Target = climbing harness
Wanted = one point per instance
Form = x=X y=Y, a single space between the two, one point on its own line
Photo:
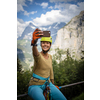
x=45 y=86
x=47 y=93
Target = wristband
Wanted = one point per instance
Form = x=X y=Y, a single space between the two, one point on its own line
x=33 y=44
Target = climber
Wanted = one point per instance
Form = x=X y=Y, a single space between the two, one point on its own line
x=42 y=71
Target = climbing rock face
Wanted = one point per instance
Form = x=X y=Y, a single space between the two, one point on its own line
x=71 y=36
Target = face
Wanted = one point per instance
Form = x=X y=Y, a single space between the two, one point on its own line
x=45 y=45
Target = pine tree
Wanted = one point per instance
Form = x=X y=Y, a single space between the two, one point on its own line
x=19 y=66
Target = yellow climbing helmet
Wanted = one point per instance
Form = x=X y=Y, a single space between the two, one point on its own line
x=49 y=39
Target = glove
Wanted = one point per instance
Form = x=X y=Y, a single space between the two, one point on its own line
x=35 y=37
x=56 y=86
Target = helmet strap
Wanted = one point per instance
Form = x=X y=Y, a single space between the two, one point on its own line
x=45 y=51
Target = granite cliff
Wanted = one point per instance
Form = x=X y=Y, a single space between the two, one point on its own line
x=71 y=37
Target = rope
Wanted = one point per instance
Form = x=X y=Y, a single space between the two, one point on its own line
x=22 y=95
x=59 y=88
x=70 y=84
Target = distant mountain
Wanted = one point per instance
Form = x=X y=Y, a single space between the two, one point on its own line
x=27 y=33
x=20 y=54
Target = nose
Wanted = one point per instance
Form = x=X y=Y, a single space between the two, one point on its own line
x=45 y=43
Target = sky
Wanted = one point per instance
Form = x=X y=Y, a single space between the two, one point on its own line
x=46 y=12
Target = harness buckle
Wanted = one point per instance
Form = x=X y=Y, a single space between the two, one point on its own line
x=35 y=78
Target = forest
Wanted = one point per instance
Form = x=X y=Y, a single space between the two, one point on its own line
x=66 y=71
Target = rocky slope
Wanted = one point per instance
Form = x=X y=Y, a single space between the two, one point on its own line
x=71 y=36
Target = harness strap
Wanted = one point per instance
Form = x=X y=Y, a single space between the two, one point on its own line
x=46 y=83
x=39 y=77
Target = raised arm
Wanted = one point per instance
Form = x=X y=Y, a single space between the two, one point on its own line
x=35 y=51
x=36 y=35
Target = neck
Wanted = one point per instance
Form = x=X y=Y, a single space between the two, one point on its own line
x=45 y=54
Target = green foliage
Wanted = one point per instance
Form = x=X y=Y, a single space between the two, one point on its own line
x=68 y=71
x=58 y=55
x=80 y=97
x=22 y=82
x=19 y=66
x=23 y=78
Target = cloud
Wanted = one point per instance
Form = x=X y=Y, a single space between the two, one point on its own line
x=43 y=4
x=27 y=14
x=50 y=7
x=30 y=1
x=81 y=5
x=73 y=8
x=70 y=9
x=49 y=18
x=56 y=1
x=20 y=4
x=65 y=13
x=59 y=1
x=21 y=26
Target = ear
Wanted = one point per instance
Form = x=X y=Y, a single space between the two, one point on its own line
x=50 y=43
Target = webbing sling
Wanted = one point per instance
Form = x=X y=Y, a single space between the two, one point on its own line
x=45 y=84
x=39 y=77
